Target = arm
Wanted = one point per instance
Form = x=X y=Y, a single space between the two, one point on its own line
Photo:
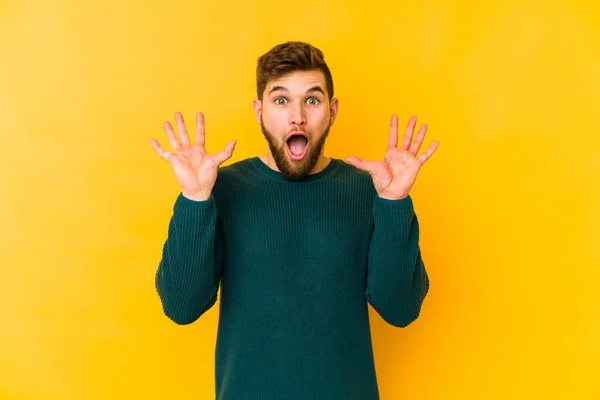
x=397 y=282
x=188 y=275
x=187 y=279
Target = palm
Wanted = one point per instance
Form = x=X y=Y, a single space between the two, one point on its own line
x=394 y=176
x=195 y=170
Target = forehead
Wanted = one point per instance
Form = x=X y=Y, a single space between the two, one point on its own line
x=298 y=81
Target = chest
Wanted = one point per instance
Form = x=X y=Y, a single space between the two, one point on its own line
x=298 y=233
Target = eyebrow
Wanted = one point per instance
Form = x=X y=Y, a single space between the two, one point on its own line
x=311 y=90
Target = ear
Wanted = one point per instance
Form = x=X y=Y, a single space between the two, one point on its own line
x=257 y=109
x=333 y=109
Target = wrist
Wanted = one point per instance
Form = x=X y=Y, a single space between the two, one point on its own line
x=392 y=197
x=201 y=196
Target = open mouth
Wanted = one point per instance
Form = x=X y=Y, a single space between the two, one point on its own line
x=297 y=146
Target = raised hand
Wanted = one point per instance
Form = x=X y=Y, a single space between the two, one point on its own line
x=195 y=170
x=395 y=175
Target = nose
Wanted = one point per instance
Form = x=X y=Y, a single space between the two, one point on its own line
x=297 y=115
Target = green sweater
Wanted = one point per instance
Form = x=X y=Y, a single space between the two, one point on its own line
x=297 y=262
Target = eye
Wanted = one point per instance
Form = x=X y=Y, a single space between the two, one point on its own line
x=280 y=101
x=312 y=101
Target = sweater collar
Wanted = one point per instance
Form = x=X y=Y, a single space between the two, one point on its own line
x=328 y=171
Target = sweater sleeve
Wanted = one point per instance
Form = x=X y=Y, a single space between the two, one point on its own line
x=397 y=282
x=187 y=279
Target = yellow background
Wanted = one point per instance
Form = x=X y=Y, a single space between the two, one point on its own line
x=509 y=205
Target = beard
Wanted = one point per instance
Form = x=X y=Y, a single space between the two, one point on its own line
x=292 y=169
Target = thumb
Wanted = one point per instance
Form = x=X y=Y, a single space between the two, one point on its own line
x=364 y=165
x=226 y=153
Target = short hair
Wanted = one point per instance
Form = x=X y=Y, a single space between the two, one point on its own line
x=289 y=57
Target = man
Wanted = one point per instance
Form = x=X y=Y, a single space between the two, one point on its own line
x=299 y=242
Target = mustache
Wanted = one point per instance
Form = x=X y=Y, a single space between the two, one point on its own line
x=296 y=131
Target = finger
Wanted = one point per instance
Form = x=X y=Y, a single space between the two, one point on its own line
x=173 y=141
x=393 y=140
x=429 y=152
x=165 y=155
x=183 y=135
x=416 y=145
x=200 y=129
x=226 y=153
x=408 y=134
x=364 y=165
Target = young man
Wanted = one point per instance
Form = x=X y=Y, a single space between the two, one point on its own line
x=299 y=242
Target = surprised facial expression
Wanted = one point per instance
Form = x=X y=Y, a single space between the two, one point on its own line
x=295 y=115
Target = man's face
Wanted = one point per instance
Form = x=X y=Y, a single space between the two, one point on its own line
x=295 y=115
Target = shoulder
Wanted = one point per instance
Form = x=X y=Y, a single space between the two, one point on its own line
x=233 y=175
x=350 y=172
x=348 y=169
x=359 y=181
x=238 y=168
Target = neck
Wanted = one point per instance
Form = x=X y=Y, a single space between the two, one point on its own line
x=322 y=162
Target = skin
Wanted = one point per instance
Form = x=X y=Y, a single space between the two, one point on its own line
x=395 y=175
x=195 y=169
x=295 y=102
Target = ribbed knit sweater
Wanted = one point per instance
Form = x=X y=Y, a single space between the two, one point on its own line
x=297 y=261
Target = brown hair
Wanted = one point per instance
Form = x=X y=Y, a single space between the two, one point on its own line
x=288 y=57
